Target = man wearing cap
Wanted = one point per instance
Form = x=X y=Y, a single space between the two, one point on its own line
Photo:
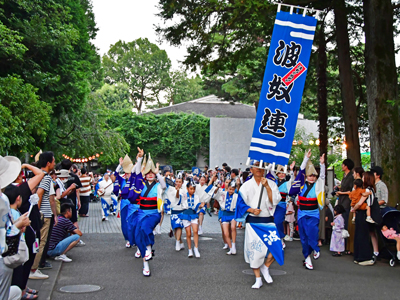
x=311 y=193
x=382 y=192
x=256 y=204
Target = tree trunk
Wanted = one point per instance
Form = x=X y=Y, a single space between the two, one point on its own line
x=381 y=79
x=322 y=92
x=346 y=84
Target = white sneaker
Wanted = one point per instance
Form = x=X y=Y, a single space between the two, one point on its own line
x=106 y=218
x=200 y=230
x=137 y=254
x=225 y=246
x=177 y=246
x=308 y=263
x=196 y=252
x=63 y=258
x=128 y=245
x=258 y=283
x=190 y=255
x=316 y=255
x=369 y=220
x=81 y=243
x=265 y=272
x=37 y=275
x=283 y=244
x=182 y=246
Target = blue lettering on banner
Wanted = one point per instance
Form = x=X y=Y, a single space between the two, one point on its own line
x=282 y=88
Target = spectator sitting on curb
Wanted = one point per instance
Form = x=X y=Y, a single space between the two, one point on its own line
x=60 y=240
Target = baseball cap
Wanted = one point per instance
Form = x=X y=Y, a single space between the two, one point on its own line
x=378 y=170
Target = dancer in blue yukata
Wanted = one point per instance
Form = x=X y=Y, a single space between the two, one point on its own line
x=227 y=199
x=190 y=217
x=311 y=194
x=256 y=204
x=284 y=186
x=106 y=195
x=126 y=185
x=149 y=213
x=174 y=195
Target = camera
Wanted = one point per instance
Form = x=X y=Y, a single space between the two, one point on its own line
x=335 y=190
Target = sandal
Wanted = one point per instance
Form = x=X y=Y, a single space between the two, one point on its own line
x=28 y=296
x=31 y=291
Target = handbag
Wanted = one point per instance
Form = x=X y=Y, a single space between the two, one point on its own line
x=17 y=251
x=345 y=234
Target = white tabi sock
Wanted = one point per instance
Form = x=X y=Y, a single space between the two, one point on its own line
x=265 y=271
x=376 y=253
x=258 y=283
x=146 y=266
x=225 y=246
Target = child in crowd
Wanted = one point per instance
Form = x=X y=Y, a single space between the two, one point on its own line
x=355 y=196
x=290 y=219
x=391 y=234
x=337 y=241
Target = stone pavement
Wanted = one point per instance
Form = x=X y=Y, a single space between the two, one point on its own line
x=105 y=262
x=93 y=223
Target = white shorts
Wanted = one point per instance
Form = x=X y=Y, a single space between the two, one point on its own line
x=187 y=223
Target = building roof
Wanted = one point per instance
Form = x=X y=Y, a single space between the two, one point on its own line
x=211 y=106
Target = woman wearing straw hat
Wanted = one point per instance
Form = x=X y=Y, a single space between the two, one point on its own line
x=311 y=193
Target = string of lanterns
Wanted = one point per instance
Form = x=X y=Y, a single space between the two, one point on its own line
x=83 y=159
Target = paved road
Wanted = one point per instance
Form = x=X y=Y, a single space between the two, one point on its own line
x=106 y=262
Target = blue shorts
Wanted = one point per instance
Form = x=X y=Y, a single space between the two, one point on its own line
x=63 y=245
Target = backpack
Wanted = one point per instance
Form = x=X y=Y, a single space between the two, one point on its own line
x=375 y=209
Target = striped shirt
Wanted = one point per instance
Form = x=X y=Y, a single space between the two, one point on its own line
x=85 y=190
x=46 y=185
x=60 y=231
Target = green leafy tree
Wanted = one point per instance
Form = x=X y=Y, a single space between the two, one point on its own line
x=115 y=97
x=177 y=138
x=24 y=118
x=47 y=43
x=142 y=66
x=183 y=88
x=88 y=132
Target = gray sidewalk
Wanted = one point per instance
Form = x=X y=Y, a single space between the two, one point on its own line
x=94 y=224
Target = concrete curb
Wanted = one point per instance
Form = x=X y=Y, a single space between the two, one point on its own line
x=46 y=286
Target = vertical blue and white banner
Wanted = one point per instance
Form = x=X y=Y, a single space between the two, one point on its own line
x=282 y=89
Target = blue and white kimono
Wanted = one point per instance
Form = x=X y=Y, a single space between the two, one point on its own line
x=176 y=205
x=204 y=192
x=311 y=200
x=148 y=215
x=129 y=204
x=190 y=206
x=227 y=204
x=280 y=210
x=261 y=236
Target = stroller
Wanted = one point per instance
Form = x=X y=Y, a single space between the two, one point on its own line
x=390 y=218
